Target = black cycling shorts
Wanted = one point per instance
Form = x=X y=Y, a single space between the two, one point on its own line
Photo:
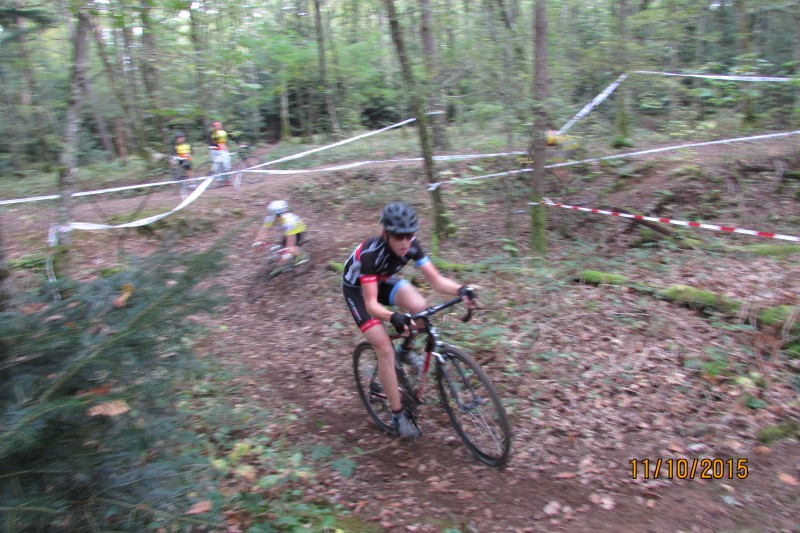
x=297 y=243
x=358 y=307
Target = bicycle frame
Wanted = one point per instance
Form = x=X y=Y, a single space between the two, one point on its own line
x=432 y=341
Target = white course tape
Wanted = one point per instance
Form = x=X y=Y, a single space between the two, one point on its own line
x=715 y=76
x=381 y=161
x=591 y=105
x=329 y=146
x=610 y=89
x=703 y=225
x=89 y=226
x=620 y=156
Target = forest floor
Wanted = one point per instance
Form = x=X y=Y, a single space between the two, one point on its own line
x=595 y=379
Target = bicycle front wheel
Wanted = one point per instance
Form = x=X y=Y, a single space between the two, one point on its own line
x=474 y=407
x=258 y=285
x=249 y=177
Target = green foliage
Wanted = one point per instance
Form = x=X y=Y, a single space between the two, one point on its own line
x=594 y=277
x=28 y=262
x=88 y=427
x=784 y=430
x=622 y=142
x=699 y=299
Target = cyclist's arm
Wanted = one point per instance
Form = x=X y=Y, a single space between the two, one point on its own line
x=370 y=291
x=261 y=236
x=440 y=283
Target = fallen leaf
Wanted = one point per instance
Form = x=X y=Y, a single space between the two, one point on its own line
x=565 y=475
x=552 y=508
x=200 y=507
x=607 y=503
x=122 y=299
x=112 y=408
x=99 y=391
x=31 y=309
x=675 y=447
x=248 y=472
x=788 y=479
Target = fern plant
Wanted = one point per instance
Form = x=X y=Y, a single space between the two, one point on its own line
x=86 y=411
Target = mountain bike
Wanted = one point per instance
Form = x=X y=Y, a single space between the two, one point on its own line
x=272 y=268
x=241 y=159
x=465 y=391
x=247 y=161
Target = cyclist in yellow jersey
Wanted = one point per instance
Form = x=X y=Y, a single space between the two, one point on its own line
x=292 y=228
x=219 y=148
x=182 y=151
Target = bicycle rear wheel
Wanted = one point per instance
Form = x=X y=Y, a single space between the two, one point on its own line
x=258 y=285
x=208 y=169
x=249 y=177
x=370 y=389
x=474 y=407
x=365 y=370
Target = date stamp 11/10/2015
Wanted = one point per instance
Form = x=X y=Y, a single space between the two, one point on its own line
x=688 y=468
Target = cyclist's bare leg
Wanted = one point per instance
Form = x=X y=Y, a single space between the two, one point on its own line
x=290 y=248
x=384 y=349
x=409 y=298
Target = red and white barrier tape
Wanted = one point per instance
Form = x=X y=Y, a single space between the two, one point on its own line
x=703 y=225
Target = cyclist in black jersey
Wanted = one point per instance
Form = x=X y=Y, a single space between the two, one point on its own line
x=370 y=283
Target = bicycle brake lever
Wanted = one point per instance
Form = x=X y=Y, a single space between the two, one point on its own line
x=470 y=312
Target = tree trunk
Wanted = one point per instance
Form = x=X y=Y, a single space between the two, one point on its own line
x=127 y=132
x=622 y=122
x=69 y=154
x=200 y=52
x=507 y=95
x=441 y=227
x=744 y=45
x=5 y=290
x=26 y=99
x=796 y=56
x=323 y=69
x=433 y=88
x=286 y=127
x=149 y=71
x=99 y=120
x=28 y=86
x=120 y=135
x=130 y=68
x=538 y=239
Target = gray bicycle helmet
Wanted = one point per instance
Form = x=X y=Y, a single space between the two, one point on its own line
x=278 y=207
x=398 y=217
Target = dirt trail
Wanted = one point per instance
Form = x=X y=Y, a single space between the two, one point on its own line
x=296 y=344
x=551 y=483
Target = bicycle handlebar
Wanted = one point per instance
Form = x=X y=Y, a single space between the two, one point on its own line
x=425 y=313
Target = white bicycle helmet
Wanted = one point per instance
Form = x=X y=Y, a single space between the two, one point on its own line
x=278 y=207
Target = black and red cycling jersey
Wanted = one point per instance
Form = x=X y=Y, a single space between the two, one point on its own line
x=373 y=261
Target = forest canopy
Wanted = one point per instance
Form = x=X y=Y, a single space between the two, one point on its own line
x=277 y=69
